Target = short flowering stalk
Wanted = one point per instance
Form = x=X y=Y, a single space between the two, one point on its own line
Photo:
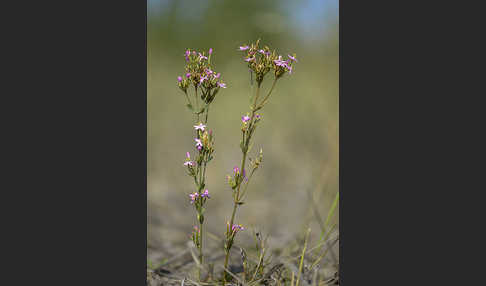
x=230 y=234
x=260 y=61
x=206 y=84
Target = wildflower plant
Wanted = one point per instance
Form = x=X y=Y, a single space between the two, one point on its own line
x=206 y=83
x=200 y=85
x=262 y=62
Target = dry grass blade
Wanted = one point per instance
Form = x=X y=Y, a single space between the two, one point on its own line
x=315 y=277
x=174 y=258
x=195 y=258
x=192 y=281
x=324 y=253
x=234 y=276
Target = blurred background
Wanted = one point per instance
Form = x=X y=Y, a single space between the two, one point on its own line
x=298 y=179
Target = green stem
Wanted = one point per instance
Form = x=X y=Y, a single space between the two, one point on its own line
x=262 y=103
x=201 y=173
x=200 y=251
x=247 y=183
x=187 y=97
x=243 y=161
x=207 y=112
x=197 y=102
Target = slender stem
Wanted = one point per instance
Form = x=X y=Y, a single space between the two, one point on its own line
x=237 y=197
x=207 y=112
x=201 y=173
x=197 y=102
x=200 y=251
x=187 y=97
x=247 y=183
x=268 y=95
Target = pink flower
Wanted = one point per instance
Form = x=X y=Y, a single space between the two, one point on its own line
x=245 y=118
x=263 y=52
x=198 y=143
x=205 y=194
x=222 y=84
x=237 y=227
x=293 y=58
x=188 y=160
x=209 y=72
x=200 y=127
x=202 y=57
x=280 y=62
x=249 y=59
x=179 y=78
x=244 y=48
x=188 y=75
x=193 y=197
x=203 y=78
x=210 y=50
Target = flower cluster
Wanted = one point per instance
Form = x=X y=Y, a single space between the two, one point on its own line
x=236 y=178
x=262 y=60
x=237 y=227
x=231 y=231
x=190 y=165
x=204 y=143
x=245 y=118
x=204 y=140
x=199 y=197
x=245 y=121
x=200 y=75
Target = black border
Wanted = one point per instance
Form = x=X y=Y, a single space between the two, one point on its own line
x=75 y=143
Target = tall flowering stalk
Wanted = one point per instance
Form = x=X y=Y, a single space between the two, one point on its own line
x=206 y=83
x=261 y=62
